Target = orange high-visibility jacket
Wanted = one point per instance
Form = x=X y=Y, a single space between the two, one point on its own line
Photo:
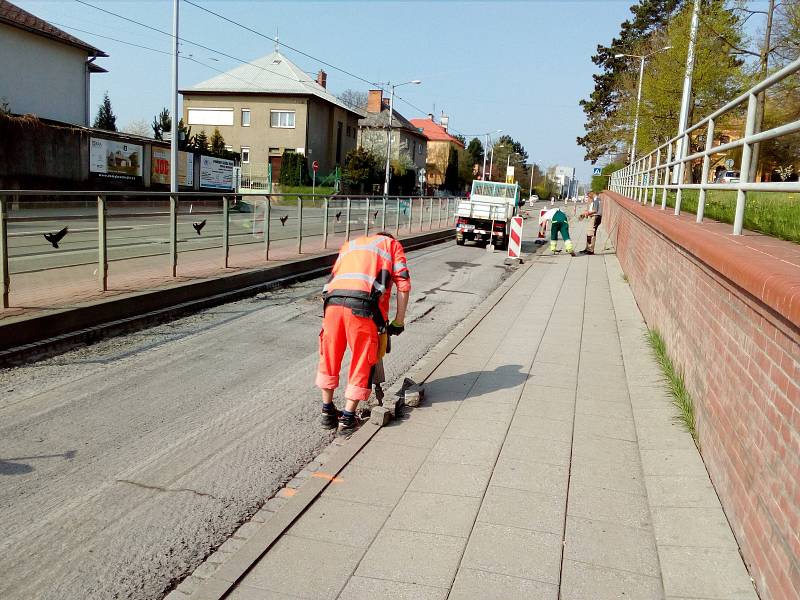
x=366 y=268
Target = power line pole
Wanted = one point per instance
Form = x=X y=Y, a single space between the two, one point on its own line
x=389 y=142
x=173 y=146
x=761 y=97
x=687 y=87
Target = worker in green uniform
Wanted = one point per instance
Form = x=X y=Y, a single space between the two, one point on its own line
x=560 y=224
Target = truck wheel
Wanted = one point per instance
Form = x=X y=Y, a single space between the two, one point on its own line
x=460 y=242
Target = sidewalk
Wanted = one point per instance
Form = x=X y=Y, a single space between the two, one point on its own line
x=546 y=462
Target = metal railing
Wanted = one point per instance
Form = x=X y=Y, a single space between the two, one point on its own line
x=109 y=226
x=666 y=167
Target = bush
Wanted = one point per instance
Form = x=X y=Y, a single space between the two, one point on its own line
x=294 y=169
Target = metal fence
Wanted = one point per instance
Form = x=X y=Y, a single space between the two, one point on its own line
x=666 y=167
x=109 y=226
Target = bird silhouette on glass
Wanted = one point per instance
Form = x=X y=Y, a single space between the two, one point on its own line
x=338 y=216
x=375 y=216
x=283 y=220
x=198 y=227
x=56 y=237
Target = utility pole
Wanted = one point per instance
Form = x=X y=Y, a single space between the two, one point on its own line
x=761 y=97
x=687 y=88
x=485 y=152
x=173 y=145
x=389 y=142
x=638 y=104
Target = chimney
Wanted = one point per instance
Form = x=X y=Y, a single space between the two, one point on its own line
x=445 y=120
x=430 y=116
x=322 y=78
x=375 y=101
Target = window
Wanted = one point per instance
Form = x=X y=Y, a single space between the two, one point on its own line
x=245 y=154
x=348 y=131
x=338 y=143
x=210 y=116
x=281 y=118
x=274 y=150
x=245 y=117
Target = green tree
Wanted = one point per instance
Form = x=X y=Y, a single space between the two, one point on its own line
x=360 y=168
x=600 y=182
x=604 y=102
x=217 y=143
x=105 y=119
x=200 y=141
x=508 y=151
x=294 y=170
x=475 y=150
x=161 y=123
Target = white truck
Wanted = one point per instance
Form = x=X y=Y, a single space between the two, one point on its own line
x=485 y=216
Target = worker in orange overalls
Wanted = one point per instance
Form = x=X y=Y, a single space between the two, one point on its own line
x=357 y=317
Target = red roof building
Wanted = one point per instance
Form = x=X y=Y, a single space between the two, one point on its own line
x=442 y=149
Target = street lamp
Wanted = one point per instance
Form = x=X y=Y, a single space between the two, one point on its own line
x=491 y=161
x=641 y=58
x=389 y=131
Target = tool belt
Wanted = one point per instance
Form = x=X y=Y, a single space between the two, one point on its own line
x=360 y=303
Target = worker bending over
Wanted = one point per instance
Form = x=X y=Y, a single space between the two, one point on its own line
x=560 y=224
x=595 y=214
x=356 y=313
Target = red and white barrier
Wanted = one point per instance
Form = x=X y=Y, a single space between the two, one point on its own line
x=515 y=237
x=542 y=228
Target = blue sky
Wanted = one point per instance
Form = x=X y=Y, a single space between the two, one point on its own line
x=517 y=66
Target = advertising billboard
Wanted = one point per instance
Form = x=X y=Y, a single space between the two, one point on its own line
x=159 y=170
x=216 y=173
x=111 y=159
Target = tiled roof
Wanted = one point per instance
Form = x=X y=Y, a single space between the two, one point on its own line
x=435 y=132
x=381 y=119
x=13 y=15
x=271 y=74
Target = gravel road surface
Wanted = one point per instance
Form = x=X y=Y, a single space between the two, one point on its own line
x=124 y=463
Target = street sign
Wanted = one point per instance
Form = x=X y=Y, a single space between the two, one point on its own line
x=315 y=166
x=597 y=171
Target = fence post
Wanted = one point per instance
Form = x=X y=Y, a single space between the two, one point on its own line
x=225 y=232
x=325 y=223
x=5 y=276
x=266 y=226
x=410 y=213
x=744 y=168
x=397 y=225
x=102 y=244
x=383 y=215
x=701 y=199
x=299 y=224
x=439 y=215
x=681 y=172
x=421 y=213
x=347 y=218
x=648 y=178
x=366 y=216
x=430 y=214
x=655 y=178
x=667 y=172
x=173 y=234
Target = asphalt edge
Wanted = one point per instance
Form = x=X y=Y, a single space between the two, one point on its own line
x=227 y=574
x=59 y=330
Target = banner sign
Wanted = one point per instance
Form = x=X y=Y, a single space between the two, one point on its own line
x=115 y=160
x=159 y=171
x=216 y=173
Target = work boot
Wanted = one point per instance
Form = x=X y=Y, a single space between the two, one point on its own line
x=569 y=247
x=553 y=247
x=347 y=425
x=330 y=418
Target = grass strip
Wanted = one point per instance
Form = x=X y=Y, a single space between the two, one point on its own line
x=680 y=395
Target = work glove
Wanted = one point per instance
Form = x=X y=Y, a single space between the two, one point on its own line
x=395 y=328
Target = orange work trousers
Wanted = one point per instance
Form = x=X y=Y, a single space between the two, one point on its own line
x=342 y=329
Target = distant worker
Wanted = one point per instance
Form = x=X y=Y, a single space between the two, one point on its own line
x=356 y=300
x=560 y=224
x=552 y=200
x=595 y=213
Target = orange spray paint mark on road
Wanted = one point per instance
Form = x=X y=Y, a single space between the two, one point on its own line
x=328 y=476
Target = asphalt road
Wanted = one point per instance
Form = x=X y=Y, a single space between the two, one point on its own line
x=124 y=463
x=133 y=233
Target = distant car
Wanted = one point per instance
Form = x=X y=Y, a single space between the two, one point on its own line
x=532 y=199
x=728 y=177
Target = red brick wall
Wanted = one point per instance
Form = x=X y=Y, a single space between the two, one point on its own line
x=733 y=330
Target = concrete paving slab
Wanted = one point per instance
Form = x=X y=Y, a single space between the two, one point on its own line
x=607 y=452
x=286 y=568
x=523 y=509
x=705 y=573
x=340 y=522
x=247 y=592
x=472 y=584
x=530 y=476
x=544 y=407
x=413 y=557
x=600 y=504
x=386 y=456
x=611 y=545
x=692 y=526
x=468 y=427
x=686 y=462
x=513 y=551
x=410 y=433
x=613 y=427
x=527 y=448
x=365 y=588
x=435 y=513
x=581 y=581
x=463 y=452
x=479 y=408
x=671 y=435
x=679 y=490
x=367 y=486
x=535 y=426
x=451 y=478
